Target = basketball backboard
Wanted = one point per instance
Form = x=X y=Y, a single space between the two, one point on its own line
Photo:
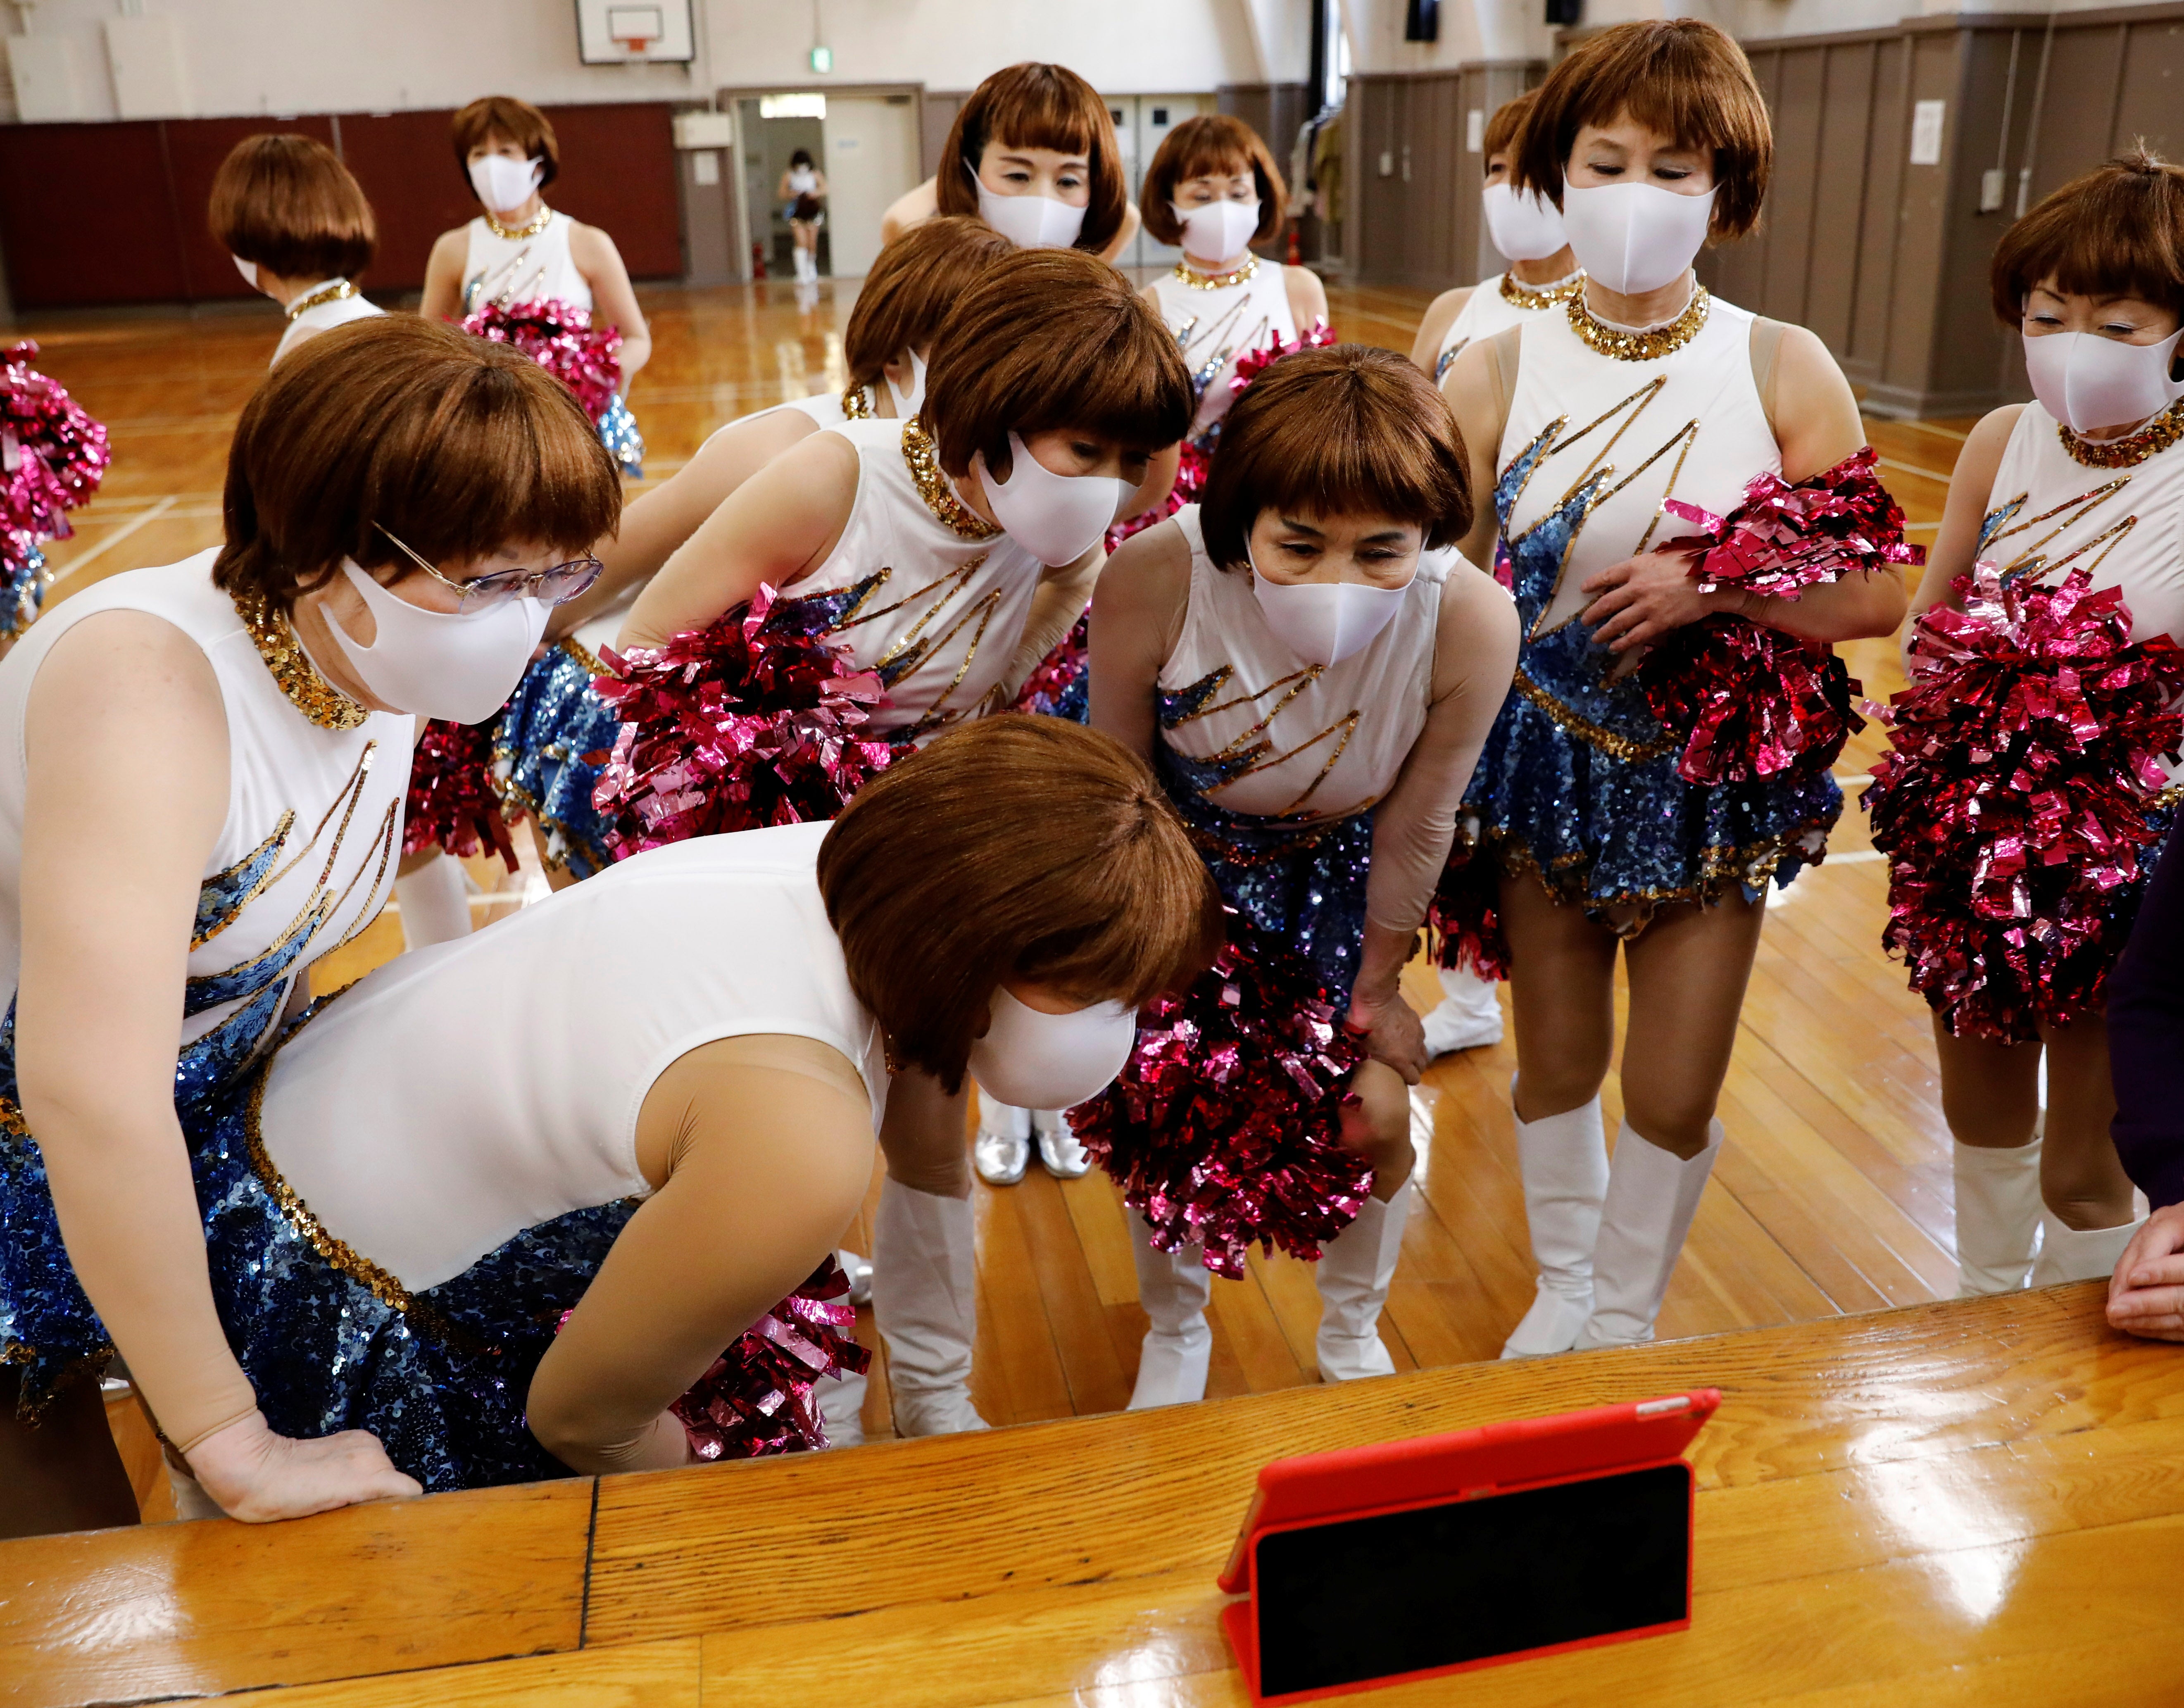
x=612 y=33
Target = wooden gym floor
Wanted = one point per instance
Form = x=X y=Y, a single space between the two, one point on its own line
x=1832 y=1195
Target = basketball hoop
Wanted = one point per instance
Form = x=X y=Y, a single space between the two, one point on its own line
x=634 y=46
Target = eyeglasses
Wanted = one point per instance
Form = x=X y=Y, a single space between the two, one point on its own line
x=551 y=586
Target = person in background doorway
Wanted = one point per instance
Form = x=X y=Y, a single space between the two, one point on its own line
x=803 y=195
x=299 y=229
x=1032 y=152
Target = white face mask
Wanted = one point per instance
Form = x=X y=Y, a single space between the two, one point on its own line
x=1039 y=1060
x=1029 y=222
x=2087 y=381
x=502 y=183
x=1524 y=227
x=1218 y=230
x=1634 y=237
x=247 y=268
x=1056 y=518
x=906 y=402
x=1324 y=622
x=438 y=664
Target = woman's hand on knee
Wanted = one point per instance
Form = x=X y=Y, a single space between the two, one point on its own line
x=1391 y=1032
x=258 y=1477
x=2146 y=1293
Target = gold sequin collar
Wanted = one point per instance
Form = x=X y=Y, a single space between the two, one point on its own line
x=918 y=451
x=531 y=228
x=1519 y=294
x=1648 y=346
x=856 y=406
x=1218 y=282
x=2157 y=435
x=309 y=692
x=333 y=291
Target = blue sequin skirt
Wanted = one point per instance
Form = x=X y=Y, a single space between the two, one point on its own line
x=549 y=745
x=1593 y=807
x=328 y=1342
x=619 y=433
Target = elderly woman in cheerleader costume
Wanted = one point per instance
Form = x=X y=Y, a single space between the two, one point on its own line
x=202 y=794
x=2081 y=490
x=1312 y=669
x=1632 y=799
x=299 y=229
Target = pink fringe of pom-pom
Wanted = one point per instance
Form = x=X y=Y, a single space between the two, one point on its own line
x=559 y=337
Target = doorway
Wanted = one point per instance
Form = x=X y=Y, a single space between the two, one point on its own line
x=867 y=144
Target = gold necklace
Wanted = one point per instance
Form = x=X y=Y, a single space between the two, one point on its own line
x=2158 y=434
x=1517 y=292
x=333 y=291
x=1649 y=346
x=855 y=406
x=918 y=451
x=309 y=692
x=531 y=228
x=1218 y=282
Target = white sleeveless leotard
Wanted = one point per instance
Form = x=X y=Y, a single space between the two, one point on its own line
x=1491 y=308
x=321 y=315
x=507 y=271
x=1215 y=327
x=2049 y=513
x=1688 y=425
x=937 y=614
x=1324 y=742
x=306 y=855
x=457 y=1096
x=827 y=409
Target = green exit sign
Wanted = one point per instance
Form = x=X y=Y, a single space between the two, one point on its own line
x=822 y=60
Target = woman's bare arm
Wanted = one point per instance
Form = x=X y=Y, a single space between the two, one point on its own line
x=1474 y=387
x=614 y=300
x=443 y=276
x=1137 y=615
x=1971 y=485
x=1440 y=315
x=911 y=207
x=764 y=1168
x=1307 y=297
x=775 y=528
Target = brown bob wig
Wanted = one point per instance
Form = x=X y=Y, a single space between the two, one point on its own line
x=504 y=118
x=1217 y=144
x=2117 y=231
x=1502 y=129
x=1052 y=338
x=457 y=445
x=1012 y=848
x=1035 y=106
x=286 y=203
x=1681 y=78
x=911 y=286
x=1351 y=431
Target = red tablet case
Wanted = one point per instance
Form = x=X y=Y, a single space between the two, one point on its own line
x=1428 y=1470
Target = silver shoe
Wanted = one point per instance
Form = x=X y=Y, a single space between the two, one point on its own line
x=1058 y=1149
x=1001 y=1158
x=860 y=1271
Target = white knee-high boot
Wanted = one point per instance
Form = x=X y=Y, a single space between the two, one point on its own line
x=1355 y=1268
x=841 y=1402
x=1997 y=1216
x=925 y=1298
x=2079 y=1253
x=1653 y=1194
x=1468 y=1016
x=1173 y=1287
x=435 y=901
x=1563 y=1158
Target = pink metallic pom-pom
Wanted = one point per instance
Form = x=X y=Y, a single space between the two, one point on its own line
x=1465 y=916
x=1253 y=362
x=1221 y=1128
x=1752 y=701
x=1057 y=672
x=454 y=806
x=53 y=456
x=2014 y=803
x=559 y=337
x=744 y=724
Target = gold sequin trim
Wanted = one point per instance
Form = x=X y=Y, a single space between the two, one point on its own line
x=586 y=657
x=924 y=461
x=2157 y=435
x=1218 y=282
x=1614 y=746
x=1649 y=346
x=537 y=223
x=1520 y=295
x=856 y=406
x=11 y=1119
x=334 y=291
x=309 y=692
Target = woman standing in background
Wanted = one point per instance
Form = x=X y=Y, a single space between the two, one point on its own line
x=803 y=194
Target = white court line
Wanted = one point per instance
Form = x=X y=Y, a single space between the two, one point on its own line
x=118 y=536
x=1912 y=469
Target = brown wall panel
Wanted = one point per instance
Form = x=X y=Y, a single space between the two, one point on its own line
x=1800 y=89
x=65 y=246
x=1880 y=230
x=936 y=118
x=618 y=172
x=408 y=169
x=2150 y=104
x=2078 y=117
x=195 y=148
x=1838 y=191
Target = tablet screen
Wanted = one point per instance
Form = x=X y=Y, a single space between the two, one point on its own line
x=1407 y=1592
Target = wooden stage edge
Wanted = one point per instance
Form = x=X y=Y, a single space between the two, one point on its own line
x=1951 y=1502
